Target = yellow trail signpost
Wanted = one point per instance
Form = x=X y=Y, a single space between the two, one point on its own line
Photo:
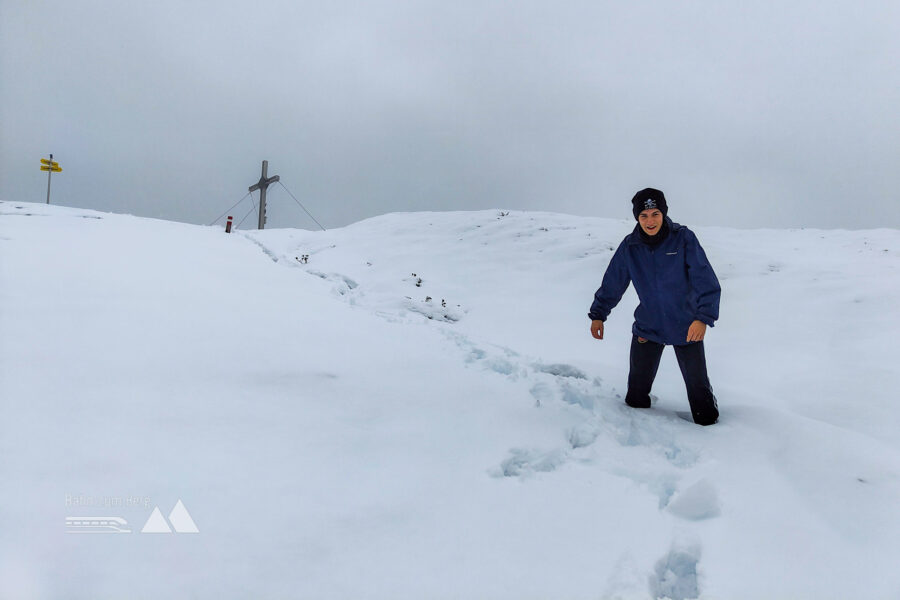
x=51 y=166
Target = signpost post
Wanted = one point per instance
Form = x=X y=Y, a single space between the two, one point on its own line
x=51 y=166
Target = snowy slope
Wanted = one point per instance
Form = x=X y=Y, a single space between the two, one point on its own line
x=334 y=434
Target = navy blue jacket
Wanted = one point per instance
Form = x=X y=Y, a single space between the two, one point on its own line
x=674 y=281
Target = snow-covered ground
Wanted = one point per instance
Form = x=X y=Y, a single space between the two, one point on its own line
x=418 y=410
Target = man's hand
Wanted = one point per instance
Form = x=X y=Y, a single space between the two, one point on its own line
x=597 y=329
x=696 y=331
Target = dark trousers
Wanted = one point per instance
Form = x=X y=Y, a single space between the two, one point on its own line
x=692 y=361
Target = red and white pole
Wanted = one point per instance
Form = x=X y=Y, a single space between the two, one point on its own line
x=228 y=224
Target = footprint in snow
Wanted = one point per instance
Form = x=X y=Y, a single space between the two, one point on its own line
x=675 y=575
x=615 y=422
x=343 y=284
x=560 y=370
x=526 y=462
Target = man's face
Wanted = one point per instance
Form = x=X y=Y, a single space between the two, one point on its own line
x=651 y=220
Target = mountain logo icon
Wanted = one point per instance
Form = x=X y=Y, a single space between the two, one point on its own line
x=179 y=518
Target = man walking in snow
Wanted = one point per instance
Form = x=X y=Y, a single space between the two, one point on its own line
x=679 y=295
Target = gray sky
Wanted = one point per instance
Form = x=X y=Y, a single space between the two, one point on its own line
x=746 y=114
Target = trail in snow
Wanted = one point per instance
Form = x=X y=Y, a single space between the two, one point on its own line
x=676 y=464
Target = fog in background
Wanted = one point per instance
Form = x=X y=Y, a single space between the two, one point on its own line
x=762 y=114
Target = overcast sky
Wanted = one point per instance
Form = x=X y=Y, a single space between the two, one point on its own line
x=746 y=114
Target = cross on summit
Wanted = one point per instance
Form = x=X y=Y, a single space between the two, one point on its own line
x=261 y=185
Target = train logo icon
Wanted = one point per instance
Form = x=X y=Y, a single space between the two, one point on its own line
x=96 y=525
x=179 y=518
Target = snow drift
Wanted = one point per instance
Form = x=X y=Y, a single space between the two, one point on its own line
x=412 y=407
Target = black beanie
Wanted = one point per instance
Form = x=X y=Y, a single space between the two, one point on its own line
x=649 y=198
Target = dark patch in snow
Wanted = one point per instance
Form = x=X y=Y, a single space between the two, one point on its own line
x=561 y=370
x=675 y=575
x=475 y=354
x=524 y=462
x=583 y=436
x=432 y=312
